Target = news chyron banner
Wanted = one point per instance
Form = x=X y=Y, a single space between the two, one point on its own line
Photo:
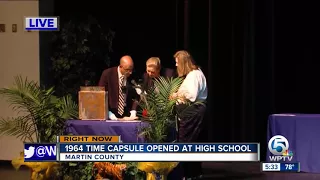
x=50 y=152
x=159 y=152
x=110 y=148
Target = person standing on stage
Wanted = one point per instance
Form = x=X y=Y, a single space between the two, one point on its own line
x=120 y=95
x=154 y=70
x=194 y=90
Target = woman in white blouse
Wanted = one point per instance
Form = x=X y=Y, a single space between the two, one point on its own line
x=193 y=89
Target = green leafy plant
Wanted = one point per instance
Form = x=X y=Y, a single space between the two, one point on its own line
x=40 y=112
x=81 y=52
x=132 y=172
x=76 y=171
x=158 y=109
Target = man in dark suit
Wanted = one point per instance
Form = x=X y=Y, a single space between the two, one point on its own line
x=120 y=93
x=154 y=70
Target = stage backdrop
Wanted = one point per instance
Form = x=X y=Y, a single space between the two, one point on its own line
x=19 y=55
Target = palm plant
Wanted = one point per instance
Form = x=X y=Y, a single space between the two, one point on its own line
x=41 y=113
x=158 y=109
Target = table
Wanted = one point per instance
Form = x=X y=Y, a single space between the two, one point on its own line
x=303 y=134
x=129 y=131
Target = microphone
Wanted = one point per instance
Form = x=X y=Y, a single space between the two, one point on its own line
x=134 y=83
x=137 y=87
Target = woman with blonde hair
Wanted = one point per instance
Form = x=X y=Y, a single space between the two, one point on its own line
x=193 y=90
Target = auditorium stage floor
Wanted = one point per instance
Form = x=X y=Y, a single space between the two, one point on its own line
x=223 y=171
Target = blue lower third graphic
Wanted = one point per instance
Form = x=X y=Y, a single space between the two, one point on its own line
x=40 y=152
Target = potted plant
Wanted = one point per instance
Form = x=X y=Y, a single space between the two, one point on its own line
x=158 y=109
x=41 y=118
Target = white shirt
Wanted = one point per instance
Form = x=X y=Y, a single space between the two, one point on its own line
x=194 y=86
x=119 y=76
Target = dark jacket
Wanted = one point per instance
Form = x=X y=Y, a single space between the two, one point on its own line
x=165 y=72
x=109 y=79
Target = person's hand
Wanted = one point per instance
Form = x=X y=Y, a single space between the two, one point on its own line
x=176 y=96
x=133 y=113
x=112 y=116
x=173 y=96
x=180 y=98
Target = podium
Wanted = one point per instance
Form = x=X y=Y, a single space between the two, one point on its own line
x=93 y=103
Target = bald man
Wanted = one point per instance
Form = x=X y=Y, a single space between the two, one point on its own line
x=120 y=96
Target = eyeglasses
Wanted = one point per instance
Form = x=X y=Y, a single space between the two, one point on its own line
x=127 y=69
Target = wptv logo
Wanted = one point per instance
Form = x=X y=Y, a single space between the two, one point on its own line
x=41 y=23
x=279 y=146
x=40 y=152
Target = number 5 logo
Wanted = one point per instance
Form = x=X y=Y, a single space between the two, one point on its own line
x=278 y=145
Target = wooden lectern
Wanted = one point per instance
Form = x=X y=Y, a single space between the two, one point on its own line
x=93 y=103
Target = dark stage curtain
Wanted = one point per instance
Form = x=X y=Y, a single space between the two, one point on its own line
x=235 y=51
x=46 y=8
x=259 y=58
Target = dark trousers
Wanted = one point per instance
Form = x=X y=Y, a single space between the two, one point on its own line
x=190 y=126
